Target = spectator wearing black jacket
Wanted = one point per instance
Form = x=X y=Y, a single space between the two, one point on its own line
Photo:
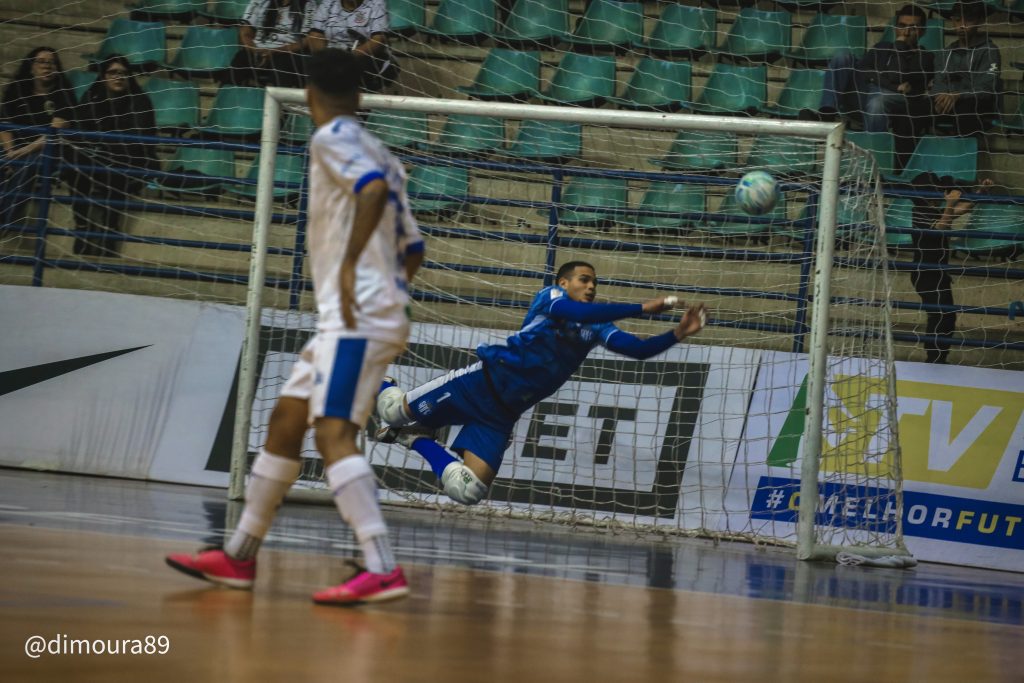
x=39 y=95
x=965 y=92
x=115 y=103
x=931 y=276
x=888 y=86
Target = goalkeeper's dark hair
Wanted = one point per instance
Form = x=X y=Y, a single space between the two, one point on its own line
x=336 y=73
x=913 y=11
x=567 y=269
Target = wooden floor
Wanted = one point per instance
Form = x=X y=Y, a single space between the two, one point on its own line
x=460 y=624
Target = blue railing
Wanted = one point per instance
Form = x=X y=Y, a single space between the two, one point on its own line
x=49 y=164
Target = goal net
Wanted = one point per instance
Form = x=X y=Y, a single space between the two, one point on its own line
x=781 y=410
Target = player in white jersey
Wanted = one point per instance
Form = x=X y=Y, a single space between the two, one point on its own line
x=364 y=248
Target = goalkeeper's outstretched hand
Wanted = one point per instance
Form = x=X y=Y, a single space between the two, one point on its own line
x=692 y=322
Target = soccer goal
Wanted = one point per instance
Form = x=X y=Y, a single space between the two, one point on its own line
x=776 y=424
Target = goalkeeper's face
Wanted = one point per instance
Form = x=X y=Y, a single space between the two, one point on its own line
x=581 y=285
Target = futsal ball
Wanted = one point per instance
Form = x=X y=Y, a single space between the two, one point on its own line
x=756 y=193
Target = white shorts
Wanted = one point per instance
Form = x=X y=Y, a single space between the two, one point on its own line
x=340 y=376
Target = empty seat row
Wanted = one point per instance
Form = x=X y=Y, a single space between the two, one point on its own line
x=204 y=50
x=681 y=30
x=220 y=11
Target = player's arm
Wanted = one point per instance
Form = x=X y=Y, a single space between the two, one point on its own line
x=413 y=260
x=630 y=345
x=370 y=202
x=582 y=312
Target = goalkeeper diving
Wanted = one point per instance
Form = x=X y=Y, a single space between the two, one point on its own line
x=489 y=396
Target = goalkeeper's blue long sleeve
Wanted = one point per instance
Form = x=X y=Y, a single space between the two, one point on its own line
x=641 y=349
x=579 y=312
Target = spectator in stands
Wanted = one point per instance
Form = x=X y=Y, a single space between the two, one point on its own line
x=965 y=92
x=888 y=86
x=274 y=44
x=362 y=27
x=115 y=103
x=39 y=95
x=931 y=278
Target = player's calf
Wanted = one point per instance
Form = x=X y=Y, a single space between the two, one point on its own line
x=462 y=485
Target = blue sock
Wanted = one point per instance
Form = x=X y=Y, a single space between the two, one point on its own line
x=437 y=455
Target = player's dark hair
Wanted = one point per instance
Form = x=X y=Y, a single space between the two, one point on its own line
x=566 y=270
x=336 y=73
x=914 y=11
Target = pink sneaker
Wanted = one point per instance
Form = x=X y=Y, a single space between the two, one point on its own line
x=213 y=564
x=365 y=587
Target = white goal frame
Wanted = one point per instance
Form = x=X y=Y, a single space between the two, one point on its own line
x=832 y=134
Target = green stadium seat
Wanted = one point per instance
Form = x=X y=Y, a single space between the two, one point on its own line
x=851 y=220
x=289 y=171
x=943 y=156
x=807 y=5
x=175 y=103
x=225 y=11
x=406 y=16
x=943 y=7
x=802 y=92
x=680 y=198
x=142 y=43
x=933 y=40
x=235 y=112
x=166 y=10
x=581 y=80
x=438 y=180
x=609 y=24
x=398 y=129
x=506 y=75
x=657 y=84
x=681 y=31
x=739 y=224
x=598 y=195
x=733 y=89
x=205 y=51
x=297 y=129
x=695 y=151
x=535 y=23
x=827 y=36
x=81 y=81
x=784 y=157
x=881 y=145
x=899 y=214
x=203 y=167
x=467 y=134
x=1013 y=123
x=1001 y=218
x=547 y=141
x=758 y=36
x=469 y=21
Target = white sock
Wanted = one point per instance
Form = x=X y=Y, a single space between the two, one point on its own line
x=355 y=494
x=271 y=477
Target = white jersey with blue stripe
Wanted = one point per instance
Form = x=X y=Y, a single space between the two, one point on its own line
x=534 y=362
x=344 y=158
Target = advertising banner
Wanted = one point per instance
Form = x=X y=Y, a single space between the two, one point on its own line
x=113 y=384
x=962 y=441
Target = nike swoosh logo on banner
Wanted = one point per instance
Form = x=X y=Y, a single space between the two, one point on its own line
x=13 y=380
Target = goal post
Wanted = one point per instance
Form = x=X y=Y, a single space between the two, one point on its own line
x=810 y=521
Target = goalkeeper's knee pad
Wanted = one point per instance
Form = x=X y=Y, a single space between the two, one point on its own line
x=389 y=407
x=462 y=485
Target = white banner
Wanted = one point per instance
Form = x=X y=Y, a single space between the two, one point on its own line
x=962 y=441
x=113 y=384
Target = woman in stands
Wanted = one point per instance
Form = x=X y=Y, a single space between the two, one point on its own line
x=115 y=103
x=274 y=47
x=39 y=95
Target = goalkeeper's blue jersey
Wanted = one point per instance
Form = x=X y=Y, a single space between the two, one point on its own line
x=538 y=359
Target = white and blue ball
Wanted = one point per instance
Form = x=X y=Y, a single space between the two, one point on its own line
x=756 y=193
